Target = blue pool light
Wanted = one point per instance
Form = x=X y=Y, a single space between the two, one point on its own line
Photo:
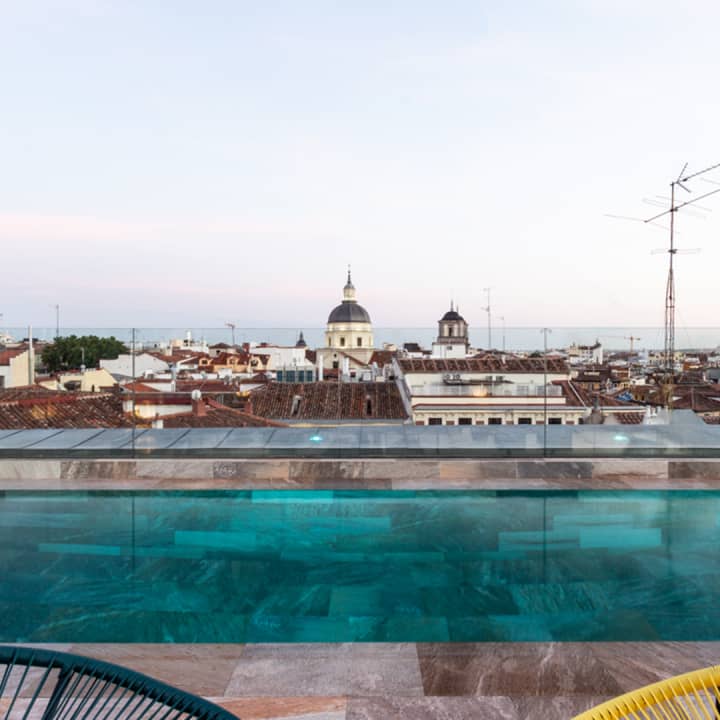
x=619 y=437
x=316 y=438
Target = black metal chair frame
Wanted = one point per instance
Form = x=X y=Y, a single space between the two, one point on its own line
x=88 y=689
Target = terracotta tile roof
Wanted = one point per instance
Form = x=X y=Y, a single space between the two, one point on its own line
x=25 y=392
x=138 y=387
x=382 y=357
x=217 y=415
x=64 y=410
x=623 y=418
x=485 y=363
x=7 y=355
x=329 y=401
x=206 y=386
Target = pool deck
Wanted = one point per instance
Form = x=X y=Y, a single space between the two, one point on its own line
x=388 y=681
x=408 y=681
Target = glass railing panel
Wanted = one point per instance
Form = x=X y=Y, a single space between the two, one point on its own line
x=152 y=379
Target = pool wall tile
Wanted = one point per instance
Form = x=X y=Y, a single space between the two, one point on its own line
x=691 y=469
x=629 y=470
x=181 y=469
x=98 y=469
x=409 y=474
x=478 y=470
x=554 y=469
x=266 y=470
x=29 y=470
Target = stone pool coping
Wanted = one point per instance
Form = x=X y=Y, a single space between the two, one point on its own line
x=408 y=681
x=396 y=474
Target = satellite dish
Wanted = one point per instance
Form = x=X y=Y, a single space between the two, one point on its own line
x=196 y=394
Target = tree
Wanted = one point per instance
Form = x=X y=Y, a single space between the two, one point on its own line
x=67 y=353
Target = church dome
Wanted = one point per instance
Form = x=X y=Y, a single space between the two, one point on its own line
x=349 y=311
x=452 y=315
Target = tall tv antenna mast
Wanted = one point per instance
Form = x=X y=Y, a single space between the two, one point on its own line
x=669 y=349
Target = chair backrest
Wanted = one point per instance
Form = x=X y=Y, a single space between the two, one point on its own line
x=51 y=685
x=693 y=696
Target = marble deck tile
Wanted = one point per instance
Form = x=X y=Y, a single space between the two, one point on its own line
x=200 y=669
x=554 y=708
x=327 y=669
x=515 y=669
x=634 y=664
x=285 y=708
x=431 y=708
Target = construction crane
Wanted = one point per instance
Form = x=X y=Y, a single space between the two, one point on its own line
x=632 y=338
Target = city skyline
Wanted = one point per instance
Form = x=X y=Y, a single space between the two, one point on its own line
x=228 y=165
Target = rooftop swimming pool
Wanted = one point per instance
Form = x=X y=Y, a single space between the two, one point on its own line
x=306 y=566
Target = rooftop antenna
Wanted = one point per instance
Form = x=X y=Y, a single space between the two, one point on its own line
x=669 y=349
x=487 y=310
x=232 y=327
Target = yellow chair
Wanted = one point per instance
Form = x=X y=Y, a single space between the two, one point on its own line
x=693 y=696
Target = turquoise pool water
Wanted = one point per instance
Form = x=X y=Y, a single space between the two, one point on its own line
x=359 y=566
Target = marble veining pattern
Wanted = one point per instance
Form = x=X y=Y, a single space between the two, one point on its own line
x=435 y=681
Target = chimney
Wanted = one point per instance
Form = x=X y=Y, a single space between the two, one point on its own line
x=198 y=405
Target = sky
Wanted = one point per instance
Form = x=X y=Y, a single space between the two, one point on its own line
x=189 y=164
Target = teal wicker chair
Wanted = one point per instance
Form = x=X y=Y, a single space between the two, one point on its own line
x=47 y=685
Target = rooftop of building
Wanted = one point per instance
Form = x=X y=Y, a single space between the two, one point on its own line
x=329 y=401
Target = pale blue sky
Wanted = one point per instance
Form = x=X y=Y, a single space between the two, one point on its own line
x=185 y=163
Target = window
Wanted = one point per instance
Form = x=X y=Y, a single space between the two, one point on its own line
x=450 y=331
x=554 y=421
x=359 y=342
x=524 y=421
x=435 y=421
x=335 y=365
x=465 y=421
x=368 y=406
x=342 y=342
x=495 y=421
